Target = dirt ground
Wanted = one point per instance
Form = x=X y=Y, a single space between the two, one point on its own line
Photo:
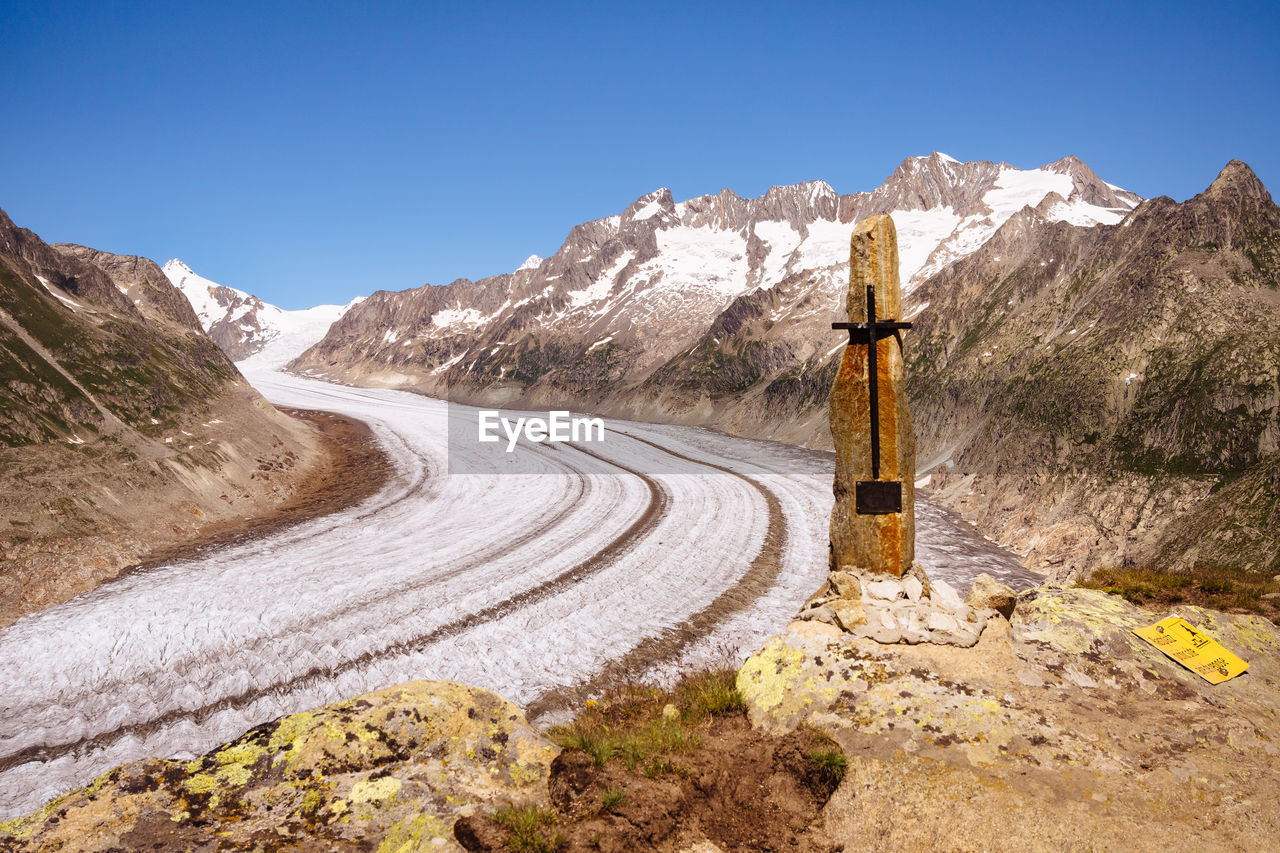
x=354 y=468
x=640 y=774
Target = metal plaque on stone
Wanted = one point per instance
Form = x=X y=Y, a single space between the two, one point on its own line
x=877 y=497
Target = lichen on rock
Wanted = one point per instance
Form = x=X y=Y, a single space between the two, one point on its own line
x=1060 y=716
x=394 y=768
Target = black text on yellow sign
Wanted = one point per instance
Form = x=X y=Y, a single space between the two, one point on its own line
x=1193 y=648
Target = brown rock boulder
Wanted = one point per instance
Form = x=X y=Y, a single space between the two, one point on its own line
x=987 y=592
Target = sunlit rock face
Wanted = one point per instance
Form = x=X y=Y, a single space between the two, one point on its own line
x=1061 y=716
x=393 y=767
x=713 y=310
x=1095 y=396
x=123 y=427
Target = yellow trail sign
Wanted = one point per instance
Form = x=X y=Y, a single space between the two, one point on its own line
x=1193 y=648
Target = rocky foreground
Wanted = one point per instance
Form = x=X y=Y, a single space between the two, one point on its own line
x=1059 y=730
x=389 y=770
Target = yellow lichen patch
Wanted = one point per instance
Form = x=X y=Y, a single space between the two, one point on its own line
x=311 y=803
x=766 y=676
x=98 y=784
x=366 y=733
x=232 y=769
x=525 y=773
x=20 y=827
x=1256 y=634
x=334 y=732
x=202 y=783
x=242 y=754
x=365 y=749
x=415 y=833
x=23 y=827
x=781 y=686
x=1072 y=619
x=376 y=791
x=235 y=775
x=285 y=738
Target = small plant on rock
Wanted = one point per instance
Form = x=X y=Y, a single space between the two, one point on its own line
x=662 y=767
x=831 y=765
x=711 y=694
x=527 y=829
x=599 y=748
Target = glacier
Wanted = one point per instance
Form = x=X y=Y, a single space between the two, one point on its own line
x=524 y=584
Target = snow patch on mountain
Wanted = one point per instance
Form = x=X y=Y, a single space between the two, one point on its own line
x=650 y=209
x=57 y=294
x=457 y=316
x=250 y=330
x=199 y=292
x=653 y=280
x=1014 y=190
x=695 y=258
x=599 y=289
x=295 y=332
x=1081 y=213
x=782 y=241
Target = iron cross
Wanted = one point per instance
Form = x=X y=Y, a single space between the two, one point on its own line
x=870 y=333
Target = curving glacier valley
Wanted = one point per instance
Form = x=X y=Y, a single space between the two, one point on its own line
x=656 y=548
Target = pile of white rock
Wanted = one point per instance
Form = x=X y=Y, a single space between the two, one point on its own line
x=908 y=609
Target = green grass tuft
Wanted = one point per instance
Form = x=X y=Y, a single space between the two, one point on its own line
x=711 y=694
x=593 y=743
x=1217 y=588
x=527 y=829
x=831 y=765
x=628 y=723
x=663 y=767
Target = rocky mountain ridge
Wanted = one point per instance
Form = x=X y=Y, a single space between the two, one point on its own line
x=123 y=427
x=244 y=326
x=1109 y=395
x=1094 y=468
x=617 y=311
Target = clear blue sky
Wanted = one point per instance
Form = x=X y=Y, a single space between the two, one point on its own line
x=315 y=151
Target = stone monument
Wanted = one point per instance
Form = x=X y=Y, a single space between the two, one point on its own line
x=874 y=588
x=873 y=522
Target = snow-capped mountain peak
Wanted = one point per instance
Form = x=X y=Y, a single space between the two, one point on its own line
x=210 y=300
x=629 y=293
x=246 y=327
x=650 y=205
